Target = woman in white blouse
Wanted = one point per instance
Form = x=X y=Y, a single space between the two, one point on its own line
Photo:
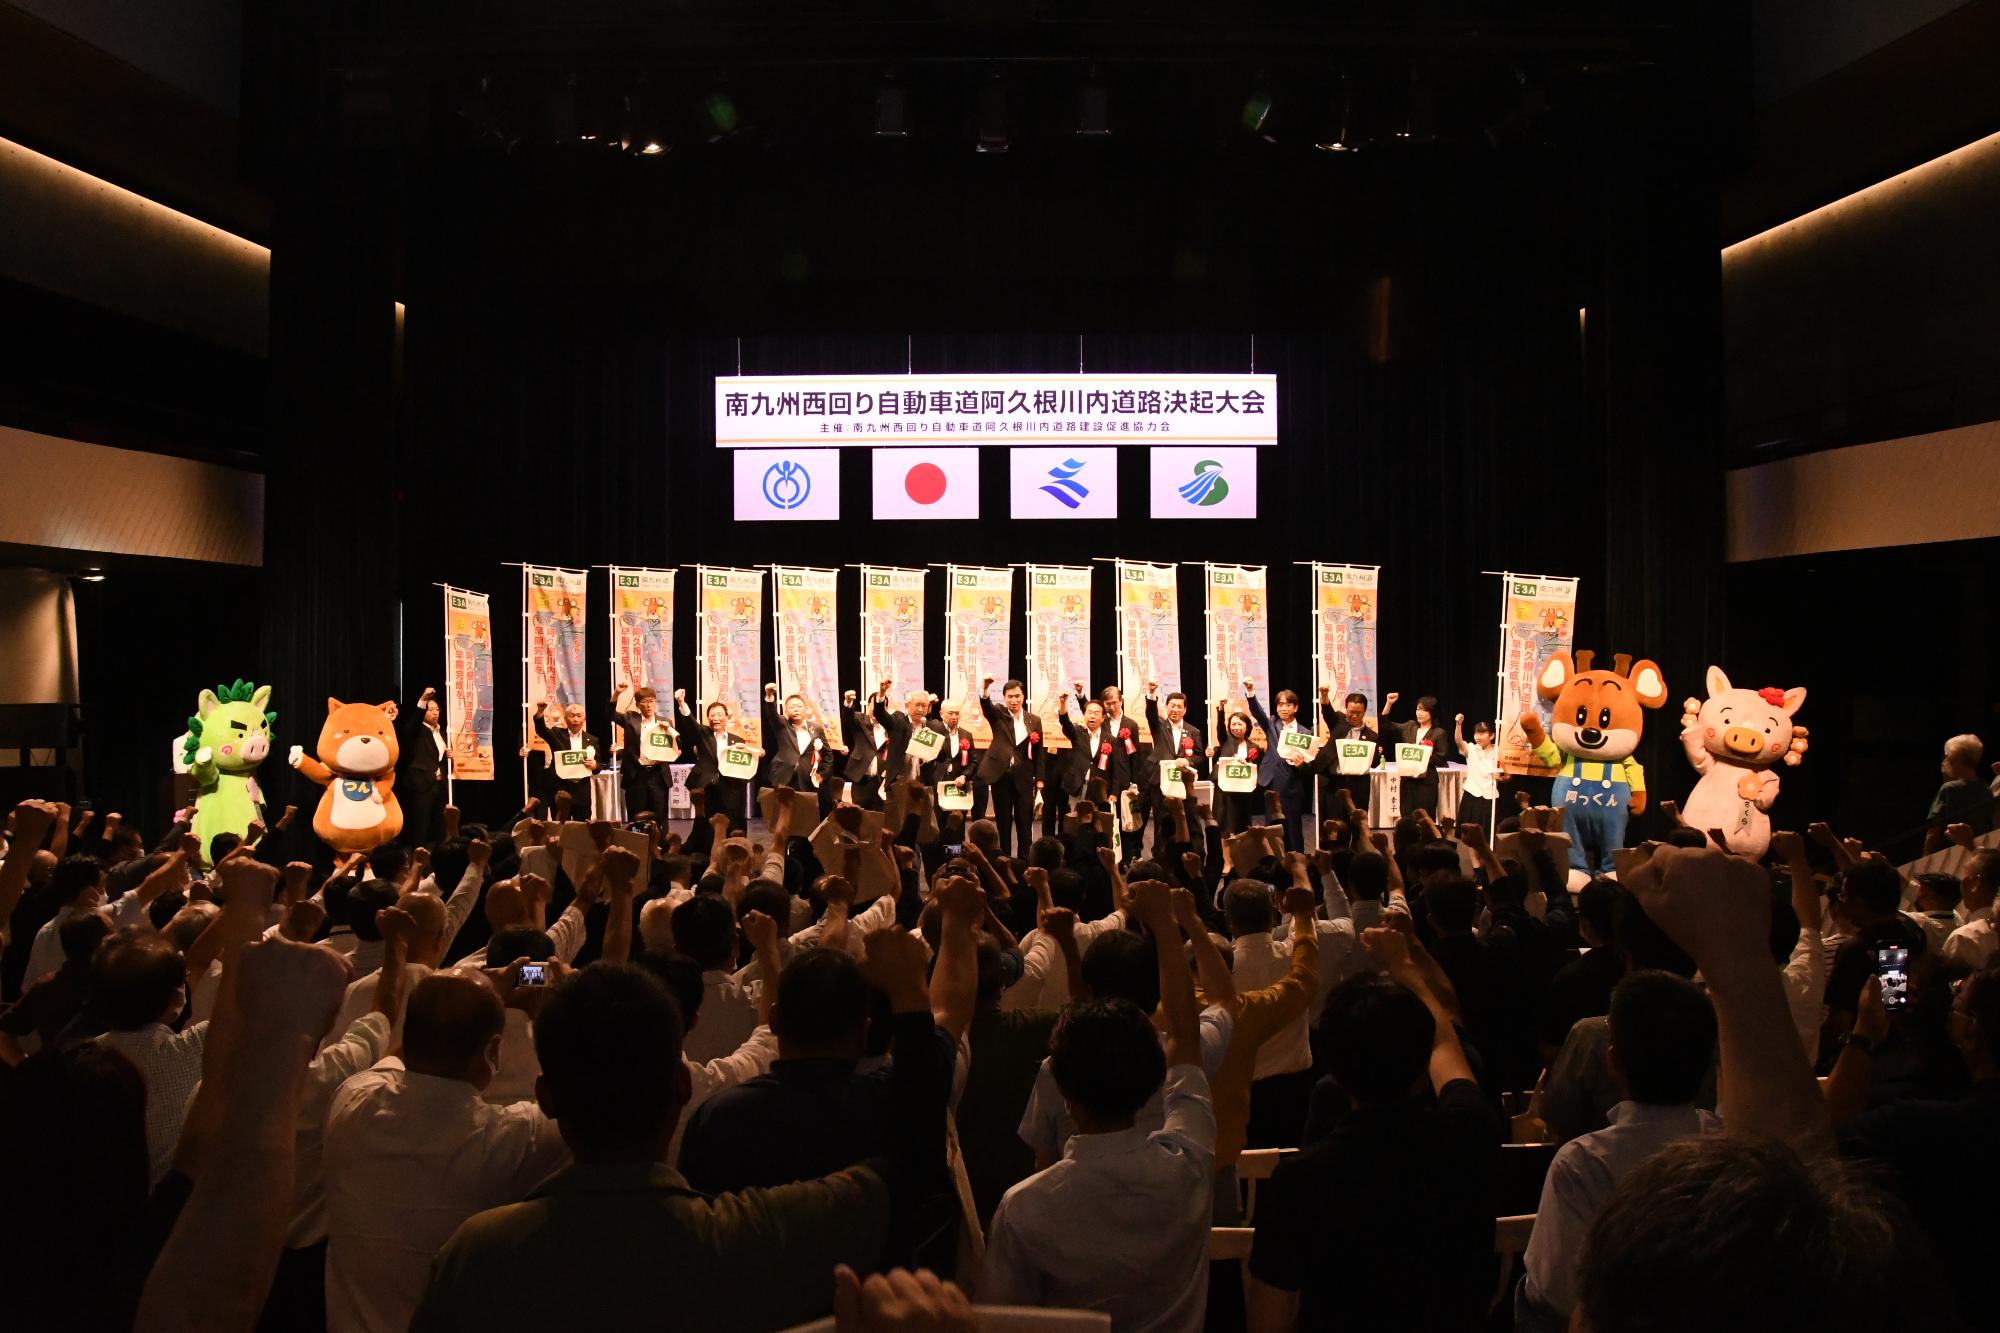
x=1482 y=773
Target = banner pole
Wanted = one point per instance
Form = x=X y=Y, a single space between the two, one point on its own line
x=444 y=707
x=526 y=727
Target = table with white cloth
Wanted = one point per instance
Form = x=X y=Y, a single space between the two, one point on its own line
x=1385 y=793
x=607 y=796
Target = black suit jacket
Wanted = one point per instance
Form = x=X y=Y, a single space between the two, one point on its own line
x=781 y=744
x=900 y=728
x=1193 y=753
x=1328 y=762
x=707 y=766
x=1106 y=758
x=418 y=761
x=860 y=733
x=558 y=741
x=956 y=760
x=1005 y=759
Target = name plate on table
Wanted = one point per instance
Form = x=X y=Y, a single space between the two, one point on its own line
x=955 y=794
x=1413 y=761
x=1356 y=757
x=738 y=762
x=570 y=763
x=925 y=744
x=1173 y=779
x=657 y=744
x=1236 y=775
x=1295 y=745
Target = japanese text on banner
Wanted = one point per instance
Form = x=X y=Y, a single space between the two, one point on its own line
x=731 y=611
x=468 y=690
x=1239 y=625
x=1149 y=631
x=1345 y=603
x=980 y=603
x=892 y=628
x=808 y=642
x=1538 y=620
x=1058 y=640
x=556 y=632
x=642 y=630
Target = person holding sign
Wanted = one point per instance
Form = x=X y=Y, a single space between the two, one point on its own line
x=904 y=726
x=1482 y=773
x=573 y=752
x=1287 y=764
x=720 y=772
x=957 y=761
x=867 y=739
x=1348 y=724
x=1419 y=793
x=1235 y=757
x=1014 y=763
x=650 y=744
x=1175 y=740
x=1097 y=751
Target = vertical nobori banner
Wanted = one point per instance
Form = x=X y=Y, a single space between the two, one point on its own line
x=1537 y=621
x=892 y=628
x=979 y=609
x=1149 y=633
x=468 y=684
x=808 y=642
x=642 y=631
x=556 y=630
x=1345 y=601
x=731 y=612
x=1058 y=640
x=1239 y=634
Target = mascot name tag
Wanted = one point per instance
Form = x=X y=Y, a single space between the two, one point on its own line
x=1413 y=761
x=570 y=764
x=1236 y=775
x=1356 y=757
x=739 y=763
x=954 y=795
x=925 y=744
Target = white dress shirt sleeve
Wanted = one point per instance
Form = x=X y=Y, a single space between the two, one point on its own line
x=458 y=907
x=1567 y=1209
x=567 y=933
x=1805 y=990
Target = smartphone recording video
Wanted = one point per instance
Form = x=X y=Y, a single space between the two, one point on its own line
x=1892 y=964
x=533 y=974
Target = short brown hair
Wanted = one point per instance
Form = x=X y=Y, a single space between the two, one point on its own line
x=643 y=693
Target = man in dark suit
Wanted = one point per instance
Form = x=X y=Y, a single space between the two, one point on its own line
x=867 y=770
x=1014 y=763
x=796 y=744
x=901 y=724
x=421 y=768
x=1094 y=752
x=1127 y=744
x=1174 y=737
x=1348 y=723
x=572 y=735
x=720 y=795
x=648 y=744
x=958 y=759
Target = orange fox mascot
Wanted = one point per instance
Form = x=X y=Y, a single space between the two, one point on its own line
x=357 y=766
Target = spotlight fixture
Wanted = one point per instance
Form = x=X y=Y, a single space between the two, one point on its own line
x=1093 y=110
x=92 y=575
x=892 y=112
x=992 y=116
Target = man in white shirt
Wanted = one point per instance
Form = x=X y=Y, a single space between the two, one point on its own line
x=705 y=930
x=412 y=1150
x=1662 y=1046
x=437 y=924
x=1120 y=1224
x=1117 y=966
x=78 y=885
x=1971 y=946
x=139 y=984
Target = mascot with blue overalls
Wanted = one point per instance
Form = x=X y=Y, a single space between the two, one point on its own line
x=1594 y=729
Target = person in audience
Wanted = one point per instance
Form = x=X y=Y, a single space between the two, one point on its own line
x=36 y=1020
x=1662 y=1044
x=1963 y=797
x=683 y=979
x=1971 y=946
x=1008 y=1045
x=705 y=930
x=1871 y=897
x=654 y=1250
x=1121 y=1223
x=1323 y=1259
x=1933 y=909
x=748 y=1135
x=412 y=1150
x=139 y=984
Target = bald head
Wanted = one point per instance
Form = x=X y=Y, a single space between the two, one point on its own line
x=506 y=905
x=451 y=1027
x=426 y=909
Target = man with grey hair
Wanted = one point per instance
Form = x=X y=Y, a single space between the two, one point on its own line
x=1963 y=799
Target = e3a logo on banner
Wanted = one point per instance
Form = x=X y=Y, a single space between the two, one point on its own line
x=787 y=484
x=1063 y=483
x=1204 y=483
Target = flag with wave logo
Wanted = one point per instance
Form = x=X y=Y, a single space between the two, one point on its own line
x=1206 y=482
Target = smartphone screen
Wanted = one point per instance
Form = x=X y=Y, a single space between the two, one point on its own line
x=533 y=974
x=954 y=850
x=1892 y=964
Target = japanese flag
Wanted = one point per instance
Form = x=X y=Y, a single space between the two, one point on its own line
x=926 y=483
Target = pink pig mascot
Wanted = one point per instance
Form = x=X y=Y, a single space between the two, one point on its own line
x=1734 y=740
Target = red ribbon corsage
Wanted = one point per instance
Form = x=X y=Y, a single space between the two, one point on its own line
x=1034 y=738
x=1105 y=748
x=1187 y=745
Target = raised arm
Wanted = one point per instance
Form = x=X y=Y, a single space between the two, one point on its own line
x=1391 y=951
x=1152 y=900
x=955 y=977
x=620 y=869
x=1218 y=983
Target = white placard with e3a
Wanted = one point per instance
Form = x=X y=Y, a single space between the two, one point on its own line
x=1356 y=757
x=1173 y=779
x=924 y=744
x=572 y=765
x=1413 y=761
x=955 y=794
x=738 y=762
x=1236 y=775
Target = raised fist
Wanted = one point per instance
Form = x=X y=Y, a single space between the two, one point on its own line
x=298 y=752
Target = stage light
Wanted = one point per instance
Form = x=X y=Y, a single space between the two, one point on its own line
x=1338 y=140
x=992 y=116
x=1093 y=111
x=652 y=148
x=92 y=576
x=892 y=112
x=643 y=131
